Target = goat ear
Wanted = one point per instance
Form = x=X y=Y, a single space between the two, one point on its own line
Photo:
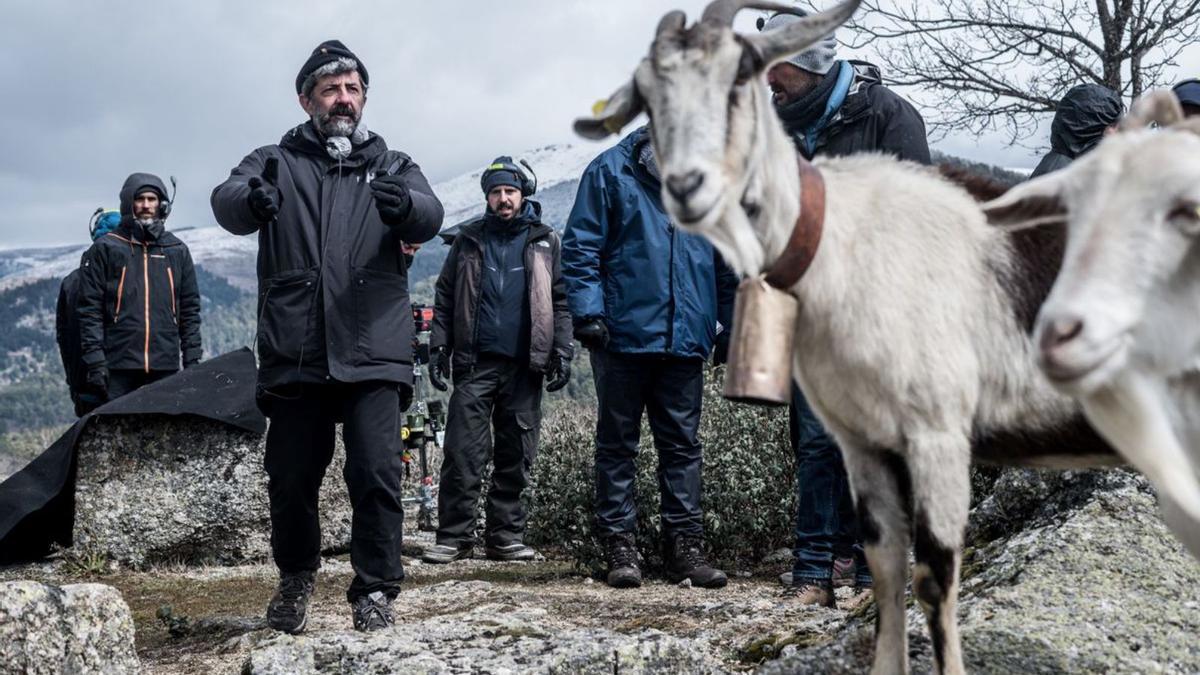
x=609 y=116
x=751 y=63
x=1031 y=204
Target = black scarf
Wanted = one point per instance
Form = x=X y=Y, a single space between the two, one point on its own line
x=799 y=115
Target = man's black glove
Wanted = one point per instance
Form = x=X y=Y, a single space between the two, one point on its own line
x=439 y=368
x=97 y=380
x=592 y=334
x=264 y=195
x=720 y=354
x=559 y=374
x=392 y=199
x=406 y=396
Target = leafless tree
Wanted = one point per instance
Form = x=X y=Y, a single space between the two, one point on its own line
x=997 y=64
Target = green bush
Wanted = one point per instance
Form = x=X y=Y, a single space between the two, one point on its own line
x=749 y=483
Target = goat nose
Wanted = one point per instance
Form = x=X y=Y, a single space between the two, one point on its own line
x=682 y=186
x=1059 y=331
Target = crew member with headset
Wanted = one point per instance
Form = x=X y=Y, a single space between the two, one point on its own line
x=501 y=325
x=139 y=307
x=66 y=321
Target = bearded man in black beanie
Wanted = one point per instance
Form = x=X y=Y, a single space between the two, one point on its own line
x=333 y=208
x=501 y=328
x=139 y=306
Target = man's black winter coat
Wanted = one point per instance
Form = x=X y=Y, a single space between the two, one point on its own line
x=139 y=306
x=462 y=284
x=332 y=284
x=872 y=118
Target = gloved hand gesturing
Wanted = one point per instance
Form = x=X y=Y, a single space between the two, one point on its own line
x=592 y=334
x=559 y=373
x=264 y=193
x=720 y=352
x=439 y=368
x=97 y=380
x=392 y=199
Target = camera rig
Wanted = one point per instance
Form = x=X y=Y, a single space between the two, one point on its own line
x=424 y=424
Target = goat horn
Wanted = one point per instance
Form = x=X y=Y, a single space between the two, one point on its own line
x=795 y=37
x=721 y=12
x=1161 y=106
x=673 y=20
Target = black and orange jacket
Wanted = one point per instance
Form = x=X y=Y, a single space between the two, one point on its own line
x=139 y=306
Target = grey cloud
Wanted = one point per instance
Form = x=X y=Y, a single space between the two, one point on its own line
x=98 y=90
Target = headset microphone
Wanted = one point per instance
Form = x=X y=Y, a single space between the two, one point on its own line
x=164 y=207
x=532 y=181
x=92 y=221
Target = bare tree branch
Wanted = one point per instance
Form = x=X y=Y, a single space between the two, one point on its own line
x=985 y=65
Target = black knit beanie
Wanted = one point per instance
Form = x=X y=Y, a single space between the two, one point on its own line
x=328 y=52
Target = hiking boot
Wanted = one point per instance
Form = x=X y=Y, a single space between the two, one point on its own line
x=622 y=556
x=811 y=592
x=372 y=612
x=515 y=551
x=288 y=609
x=443 y=554
x=684 y=559
x=844 y=570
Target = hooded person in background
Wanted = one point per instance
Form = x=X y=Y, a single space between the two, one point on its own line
x=1188 y=93
x=501 y=321
x=1083 y=117
x=139 y=307
x=833 y=108
x=66 y=322
x=334 y=209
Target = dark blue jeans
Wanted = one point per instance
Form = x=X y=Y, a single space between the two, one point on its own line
x=826 y=527
x=668 y=389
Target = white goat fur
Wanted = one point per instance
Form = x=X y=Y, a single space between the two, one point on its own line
x=1131 y=279
x=907 y=344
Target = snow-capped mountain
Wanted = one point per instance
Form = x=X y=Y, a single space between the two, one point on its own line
x=555 y=166
x=212 y=248
x=558 y=168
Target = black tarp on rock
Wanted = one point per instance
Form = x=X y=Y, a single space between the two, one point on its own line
x=37 y=504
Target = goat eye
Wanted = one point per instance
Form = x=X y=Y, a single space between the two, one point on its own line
x=1187 y=217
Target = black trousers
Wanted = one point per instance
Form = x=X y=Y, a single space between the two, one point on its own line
x=669 y=390
x=300 y=443
x=495 y=412
x=121 y=382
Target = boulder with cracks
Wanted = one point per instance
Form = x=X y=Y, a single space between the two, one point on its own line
x=1066 y=572
x=82 y=628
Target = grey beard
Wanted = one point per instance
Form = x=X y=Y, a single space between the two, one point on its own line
x=144 y=222
x=356 y=132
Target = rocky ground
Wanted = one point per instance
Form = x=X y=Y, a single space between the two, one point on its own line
x=1063 y=572
x=1089 y=581
x=473 y=616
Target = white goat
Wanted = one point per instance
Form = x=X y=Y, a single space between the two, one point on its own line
x=913 y=333
x=1120 y=330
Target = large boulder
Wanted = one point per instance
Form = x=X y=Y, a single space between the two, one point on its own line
x=1064 y=572
x=154 y=489
x=484 y=638
x=83 y=628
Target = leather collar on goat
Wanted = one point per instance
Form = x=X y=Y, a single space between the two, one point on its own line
x=802 y=246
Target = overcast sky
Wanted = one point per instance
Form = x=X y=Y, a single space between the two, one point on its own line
x=98 y=90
